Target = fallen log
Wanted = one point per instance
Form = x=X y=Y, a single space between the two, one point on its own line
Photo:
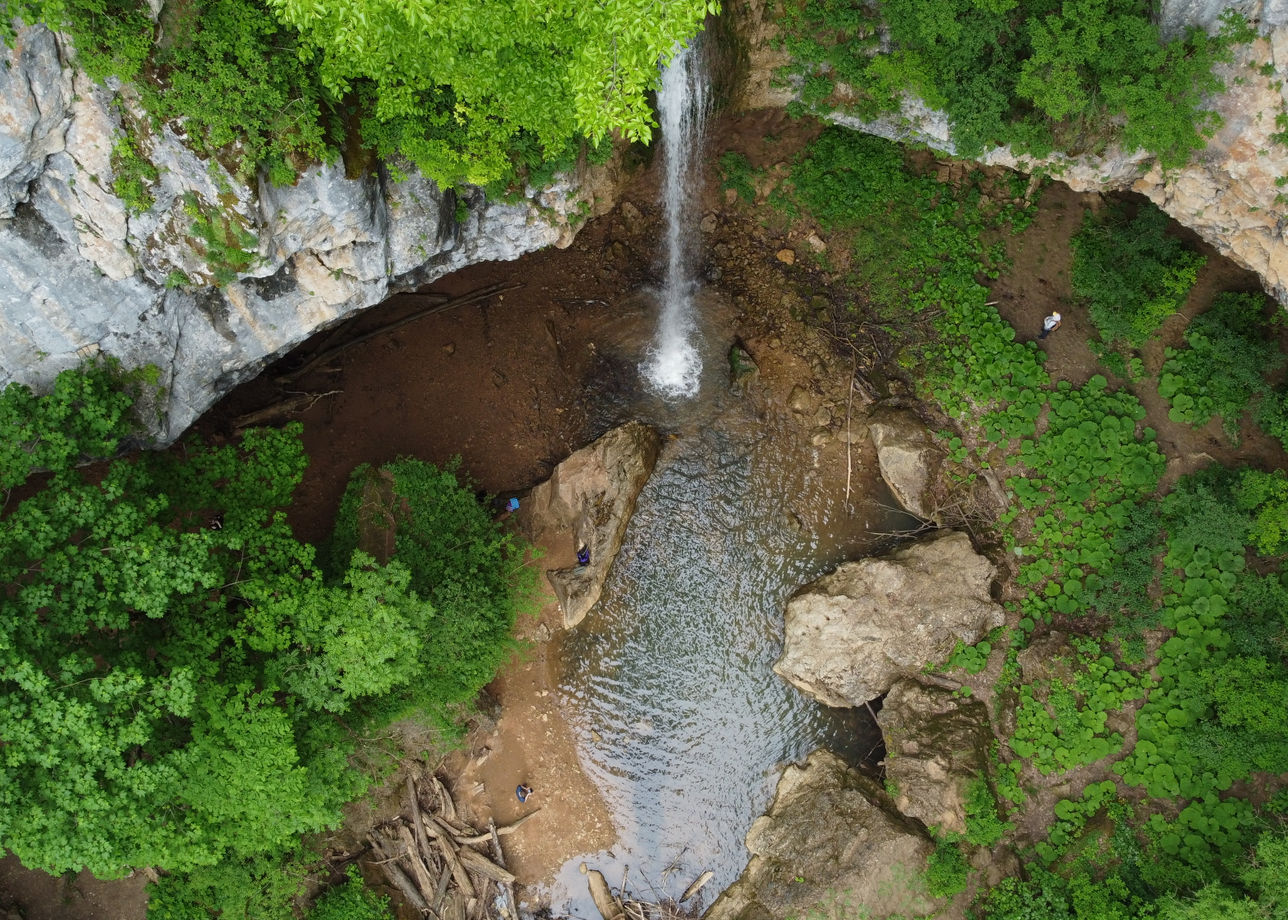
x=479 y=839
x=299 y=402
x=697 y=885
x=476 y=862
x=608 y=906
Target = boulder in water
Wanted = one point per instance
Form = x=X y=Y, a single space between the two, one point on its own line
x=827 y=847
x=910 y=461
x=591 y=497
x=851 y=634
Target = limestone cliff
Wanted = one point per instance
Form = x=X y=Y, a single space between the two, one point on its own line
x=80 y=273
x=1228 y=193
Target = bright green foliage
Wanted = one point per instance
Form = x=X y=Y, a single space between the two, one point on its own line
x=176 y=694
x=474 y=76
x=84 y=416
x=971 y=658
x=1061 y=725
x=112 y=37
x=1031 y=73
x=737 y=174
x=350 y=901
x=1264 y=496
x=457 y=557
x=262 y=888
x=134 y=173
x=984 y=826
x=946 y=871
x=1224 y=366
x=235 y=75
x=1131 y=272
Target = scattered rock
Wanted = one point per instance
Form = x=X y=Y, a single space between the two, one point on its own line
x=786 y=256
x=826 y=848
x=449 y=348
x=592 y=495
x=851 y=634
x=708 y=224
x=910 y=461
x=815 y=242
x=799 y=400
x=936 y=746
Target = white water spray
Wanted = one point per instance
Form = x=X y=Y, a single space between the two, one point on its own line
x=674 y=365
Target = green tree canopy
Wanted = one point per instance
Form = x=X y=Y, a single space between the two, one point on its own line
x=179 y=682
x=456 y=82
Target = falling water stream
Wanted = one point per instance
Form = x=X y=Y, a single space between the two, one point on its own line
x=674 y=365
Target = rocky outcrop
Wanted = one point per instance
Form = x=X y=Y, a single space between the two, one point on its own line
x=910 y=461
x=827 y=848
x=850 y=635
x=81 y=273
x=589 y=501
x=1227 y=193
x=936 y=747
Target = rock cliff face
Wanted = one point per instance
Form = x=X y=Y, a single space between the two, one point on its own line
x=1228 y=193
x=80 y=273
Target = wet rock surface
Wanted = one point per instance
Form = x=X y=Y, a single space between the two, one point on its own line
x=850 y=635
x=827 y=847
x=910 y=461
x=588 y=501
x=936 y=746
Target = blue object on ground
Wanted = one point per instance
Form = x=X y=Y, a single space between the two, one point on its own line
x=522 y=791
x=512 y=505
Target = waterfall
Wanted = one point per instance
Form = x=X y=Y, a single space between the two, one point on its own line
x=673 y=365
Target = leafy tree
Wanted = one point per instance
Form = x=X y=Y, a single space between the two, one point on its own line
x=179 y=684
x=455 y=84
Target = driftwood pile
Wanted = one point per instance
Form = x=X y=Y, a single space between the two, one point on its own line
x=621 y=906
x=444 y=868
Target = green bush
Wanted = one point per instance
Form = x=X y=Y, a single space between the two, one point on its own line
x=1132 y=274
x=459 y=560
x=1224 y=366
x=947 y=871
x=350 y=901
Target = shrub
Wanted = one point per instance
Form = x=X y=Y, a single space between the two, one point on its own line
x=1224 y=365
x=946 y=871
x=1131 y=272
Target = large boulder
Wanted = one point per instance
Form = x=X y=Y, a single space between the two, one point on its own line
x=936 y=747
x=910 y=461
x=851 y=634
x=826 y=847
x=589 y=500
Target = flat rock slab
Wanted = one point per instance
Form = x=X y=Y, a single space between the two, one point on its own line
x=591 y=497
x=828 y=848
x=910 y=461
x=850 y=635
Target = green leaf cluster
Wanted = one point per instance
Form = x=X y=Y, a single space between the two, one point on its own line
x=1035 y=74
x=1132 y=274
x=1224 y=365
x=1061 y=724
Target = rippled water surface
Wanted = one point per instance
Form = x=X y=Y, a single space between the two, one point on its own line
x=668 y=682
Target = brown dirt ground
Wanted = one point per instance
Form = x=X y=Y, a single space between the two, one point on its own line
x=516 y=383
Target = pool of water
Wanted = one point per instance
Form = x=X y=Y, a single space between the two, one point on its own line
x=668 y=683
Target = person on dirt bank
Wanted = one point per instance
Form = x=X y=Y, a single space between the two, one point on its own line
x=523 y=792
x=1049 y=325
